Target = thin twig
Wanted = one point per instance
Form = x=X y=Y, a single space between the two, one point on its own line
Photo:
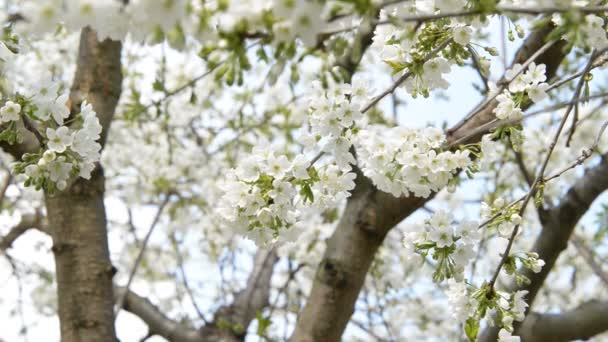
x=541 y=172
x=588 y=256
x=404 y=77
x=121 y=300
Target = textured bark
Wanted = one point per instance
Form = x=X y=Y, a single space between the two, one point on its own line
x=230 y=323
x=77 y=217
x=582 y=323
x=558 y=224
x=368 y=217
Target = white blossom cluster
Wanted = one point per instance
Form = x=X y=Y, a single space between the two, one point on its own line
x=465 y=301
x=334 y=118
x=299 y=18
x=530 y=83
x=150 y=18
x=586 y=32
x=69 y=149
x=451 y=244
x=507 y=220
x=404 y=47
x=267 y=193
x=402 y=160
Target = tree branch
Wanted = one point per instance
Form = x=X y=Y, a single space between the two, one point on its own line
x=158 y=323
x=28 y=221
x=581 y=323
x=589 y=257
x=230 y=323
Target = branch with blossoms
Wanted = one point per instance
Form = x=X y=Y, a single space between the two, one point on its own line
x=540 y=176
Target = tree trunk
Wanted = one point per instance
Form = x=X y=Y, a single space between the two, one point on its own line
x=83 y=268
x=77 y=217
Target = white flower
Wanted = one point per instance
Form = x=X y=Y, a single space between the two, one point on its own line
x=282 y=191
x=59 y=139
x=507 y=109
x=32 y=171
x=250 y=169
x=593 y=32
x=538 y=92
x=44 y=90
x=536 y=73
x=468 y=232
x=41 y=16
x=59 y=169
x=515 y=219
x=277 y=166
x=441 y=235
x=85 y=145
x=86 y=169
x=517 y=80
x=10 y=111
x=433 y=72
x=462 y=254
x=60 y=110
x=462 y=35
x=519 y=305
x=49 y=156
x=505 y=336
x=536 y=264
x=499 y=202
x=299 y=167
x=462 y=305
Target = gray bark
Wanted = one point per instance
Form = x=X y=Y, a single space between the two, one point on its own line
x=77 y=217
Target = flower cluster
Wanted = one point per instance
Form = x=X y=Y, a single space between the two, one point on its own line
x=451 y=245
x=587 y=32
x=430 y=77
x=502 y=216
x=71 y=151
x=593 y=32
x=334 y=118
x=173 y=19
x=531 y=83
x=470 y=305
x=267 y=192
x=299 y=18
x=69 y=148
x=403 y=160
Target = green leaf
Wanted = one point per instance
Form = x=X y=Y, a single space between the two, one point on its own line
x=158 y=85
x=396 y=66
x=263 y=323
x=306 y=191
x=471 y=328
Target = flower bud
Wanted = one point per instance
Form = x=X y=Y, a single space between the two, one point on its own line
x=499 y=203
x=49 y=156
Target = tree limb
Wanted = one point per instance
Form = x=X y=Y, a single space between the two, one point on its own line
x=581 y=323
x=230 y=322
x=589 y=257
x=158 y=323
x=28 y=221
